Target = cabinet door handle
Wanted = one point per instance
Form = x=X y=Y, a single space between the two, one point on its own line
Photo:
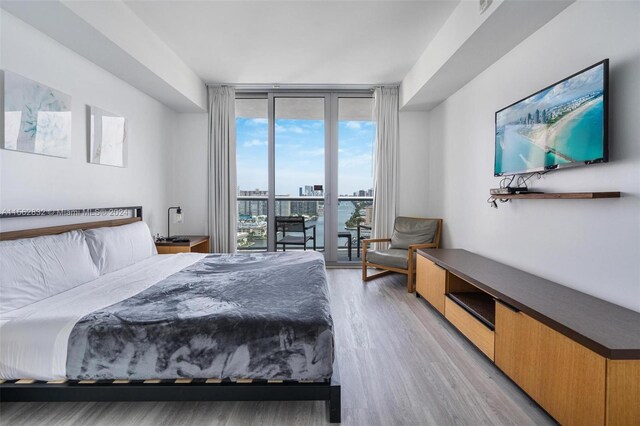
x=508 y=306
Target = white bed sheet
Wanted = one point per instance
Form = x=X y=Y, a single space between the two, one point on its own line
x=33 y=339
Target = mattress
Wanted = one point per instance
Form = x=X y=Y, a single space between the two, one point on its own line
x=260 y=316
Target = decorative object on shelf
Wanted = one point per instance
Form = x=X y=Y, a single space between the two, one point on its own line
x=179 y=219
x=37 y=118
x=107 y=137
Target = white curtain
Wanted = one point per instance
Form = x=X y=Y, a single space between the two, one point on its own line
x=385 y=171
x=223 y=206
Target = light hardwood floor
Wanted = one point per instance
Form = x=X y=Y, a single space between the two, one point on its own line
x=401 y=363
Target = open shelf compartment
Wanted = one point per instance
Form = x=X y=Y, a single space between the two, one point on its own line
x=479 y=304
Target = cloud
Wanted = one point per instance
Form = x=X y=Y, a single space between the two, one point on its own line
x=289 y=128
x=361 y=160
x=312 y=152
x=354 y=125
x=315 y=124
x=254 y=142
x=258 y=121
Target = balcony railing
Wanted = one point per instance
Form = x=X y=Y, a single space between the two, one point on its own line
x=253 y=221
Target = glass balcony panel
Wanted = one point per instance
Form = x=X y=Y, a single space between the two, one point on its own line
x=311 y=210
x=252 y=224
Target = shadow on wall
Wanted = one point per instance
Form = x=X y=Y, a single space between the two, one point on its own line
x=623 y=74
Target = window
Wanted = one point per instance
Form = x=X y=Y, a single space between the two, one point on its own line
x=317 y=163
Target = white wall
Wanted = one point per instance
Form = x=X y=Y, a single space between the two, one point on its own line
x=189 y=171
x=590 y=245
x=36 y=181
x=412 y=160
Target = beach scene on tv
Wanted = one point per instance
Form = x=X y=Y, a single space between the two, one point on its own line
x=562 y=124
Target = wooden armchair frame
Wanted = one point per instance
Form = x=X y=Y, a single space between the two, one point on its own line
x=411 y=254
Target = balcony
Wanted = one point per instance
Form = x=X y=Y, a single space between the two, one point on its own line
x=253 y=220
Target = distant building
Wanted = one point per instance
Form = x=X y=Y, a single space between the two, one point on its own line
x=368 y=215
x=299 y=208
x=252 y=208
x=283 y=208
x=308 y=190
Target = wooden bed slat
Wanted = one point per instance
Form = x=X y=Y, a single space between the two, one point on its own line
x=275 y=381
x=57 y=382
x=244 y=381
x=183 y=381
x=25 y=382
x=87 y=382
x=214 y=381
x=152 y=381
x=120 y=382
x=306 y=381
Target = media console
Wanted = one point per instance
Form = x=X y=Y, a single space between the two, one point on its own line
x=576 y=355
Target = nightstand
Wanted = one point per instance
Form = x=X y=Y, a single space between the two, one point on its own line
x=196 y=244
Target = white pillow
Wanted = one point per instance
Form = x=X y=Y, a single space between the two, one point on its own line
x=32 y=269
x=115 y=247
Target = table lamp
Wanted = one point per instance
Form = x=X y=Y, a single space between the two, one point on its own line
x=179 y=219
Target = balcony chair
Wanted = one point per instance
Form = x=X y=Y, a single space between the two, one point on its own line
x=409 y=235
x=294 y=224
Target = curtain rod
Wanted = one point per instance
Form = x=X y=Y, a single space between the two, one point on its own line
x=302 y=87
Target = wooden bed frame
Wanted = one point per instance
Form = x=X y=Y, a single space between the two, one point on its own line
x=157 y=390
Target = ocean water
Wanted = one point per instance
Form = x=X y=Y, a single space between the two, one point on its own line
x=519 y=153
x=579 y=139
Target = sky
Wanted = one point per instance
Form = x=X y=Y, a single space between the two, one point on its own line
x=300 y=154
x=560 y=93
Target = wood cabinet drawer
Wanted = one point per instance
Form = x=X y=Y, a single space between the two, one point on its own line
x=623 y=392
x=474 y=330
x=431 y=282
x=564 y=377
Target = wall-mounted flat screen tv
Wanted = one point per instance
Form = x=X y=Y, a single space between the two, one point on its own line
x=562 y=125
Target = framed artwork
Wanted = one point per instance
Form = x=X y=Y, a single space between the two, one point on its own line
x=37 y=118
x=107 y=137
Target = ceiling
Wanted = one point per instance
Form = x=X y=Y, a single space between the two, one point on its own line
x=302 y=42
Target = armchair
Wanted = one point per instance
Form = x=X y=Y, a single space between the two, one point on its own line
x=409 y=234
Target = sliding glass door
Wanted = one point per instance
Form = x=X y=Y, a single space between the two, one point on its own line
x=356 y=138
x=305 y=155
x=299 y=163
x=252 y=165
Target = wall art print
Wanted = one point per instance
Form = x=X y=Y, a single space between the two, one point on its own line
x=37 y=118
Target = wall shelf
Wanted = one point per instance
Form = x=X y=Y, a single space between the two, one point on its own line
x=558 y=195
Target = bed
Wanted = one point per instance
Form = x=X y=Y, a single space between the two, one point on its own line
x=163 y=327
